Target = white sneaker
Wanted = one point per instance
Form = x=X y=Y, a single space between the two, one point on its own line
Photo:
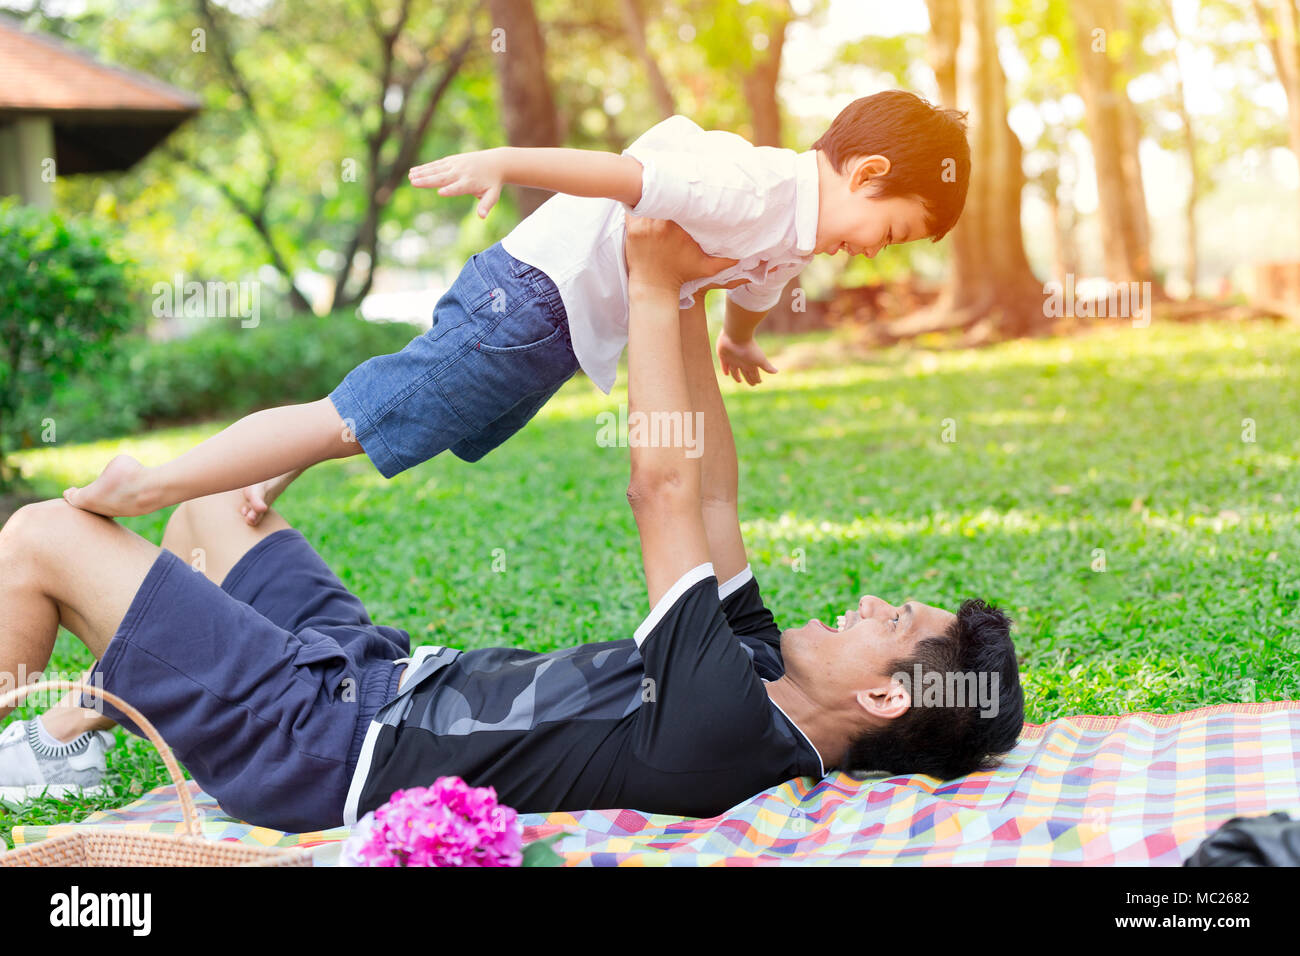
x=30 y=768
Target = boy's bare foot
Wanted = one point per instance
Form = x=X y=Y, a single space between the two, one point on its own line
x=119 y=491
x=259 y=497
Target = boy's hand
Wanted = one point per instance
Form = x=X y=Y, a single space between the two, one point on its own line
x=742 y=358
x=480 y=173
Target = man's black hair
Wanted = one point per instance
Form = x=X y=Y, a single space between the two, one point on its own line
x=926 y=146
x=951 y=741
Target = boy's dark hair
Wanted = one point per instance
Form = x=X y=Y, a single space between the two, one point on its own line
x=951 y=741
x=926 y=146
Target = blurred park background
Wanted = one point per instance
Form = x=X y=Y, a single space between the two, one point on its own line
x=210 y=215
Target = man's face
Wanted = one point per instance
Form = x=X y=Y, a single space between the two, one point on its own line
x=838 y=664
x=852 y=219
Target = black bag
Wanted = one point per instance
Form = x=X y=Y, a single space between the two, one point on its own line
x=1273 y=840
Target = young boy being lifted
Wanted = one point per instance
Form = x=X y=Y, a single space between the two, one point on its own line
x=552 y=296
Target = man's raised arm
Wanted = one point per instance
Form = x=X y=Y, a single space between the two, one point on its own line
x=665 y=485
x=719 y=477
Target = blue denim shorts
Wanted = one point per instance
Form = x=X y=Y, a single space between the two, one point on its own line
x=498 y=350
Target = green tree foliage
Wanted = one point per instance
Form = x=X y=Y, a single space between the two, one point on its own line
x=308 y=108
x=220 y=371
x=63 y=299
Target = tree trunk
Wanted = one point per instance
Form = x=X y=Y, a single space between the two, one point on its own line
x=1192 y=266
x=759 y=84
x=1067 y=214
x=527 y=107
x=253 y=201
x=382 y=179
x=1059 y=268
x=1059 y=200
x=1113 y=132
x=1282 y=35
x=1288 y=46
x=990 y=289
x=634 y=24
x=1068 y=238
x=1135 y=189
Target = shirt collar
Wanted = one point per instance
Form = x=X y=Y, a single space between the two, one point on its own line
x=821 y=764
x=806 y=202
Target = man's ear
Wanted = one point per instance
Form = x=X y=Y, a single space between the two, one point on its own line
x=885 y=700
x=867 y=168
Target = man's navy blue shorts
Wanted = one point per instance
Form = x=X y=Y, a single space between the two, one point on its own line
x=499 y=348
x=265 y=686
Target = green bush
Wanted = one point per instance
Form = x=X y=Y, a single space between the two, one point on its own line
x=63 y=300
x=221 y=372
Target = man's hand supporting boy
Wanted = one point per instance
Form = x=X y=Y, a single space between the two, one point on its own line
x=668 y=359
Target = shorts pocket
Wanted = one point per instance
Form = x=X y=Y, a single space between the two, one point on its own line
x=502 y=329
x=485 y=346
x=319 y=659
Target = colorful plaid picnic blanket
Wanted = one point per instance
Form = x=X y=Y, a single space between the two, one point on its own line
x=1138 y=789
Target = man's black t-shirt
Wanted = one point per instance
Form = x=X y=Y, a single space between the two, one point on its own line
x=674 y=720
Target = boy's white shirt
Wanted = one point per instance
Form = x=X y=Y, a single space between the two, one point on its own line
x=757 y=204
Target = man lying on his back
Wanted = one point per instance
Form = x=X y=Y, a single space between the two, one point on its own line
x=295 y=711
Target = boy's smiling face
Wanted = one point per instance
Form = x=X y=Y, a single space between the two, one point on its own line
x=850 y=217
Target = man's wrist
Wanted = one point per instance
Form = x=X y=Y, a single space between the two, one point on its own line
x=649 y=283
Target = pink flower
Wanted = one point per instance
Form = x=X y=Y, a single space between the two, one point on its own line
x=447 y=824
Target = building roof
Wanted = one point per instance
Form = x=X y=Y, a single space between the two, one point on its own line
x=104 y=117
x=39 y=72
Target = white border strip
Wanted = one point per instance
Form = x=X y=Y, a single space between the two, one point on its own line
x=692 y=577
x=820 y=763
x=360 y=773
x=734 y=584
x=367 y=755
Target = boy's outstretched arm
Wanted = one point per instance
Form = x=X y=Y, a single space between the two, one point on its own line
x=577 y=172
x=258 y=447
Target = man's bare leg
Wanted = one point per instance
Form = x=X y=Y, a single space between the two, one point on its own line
x=211 y=533
x=211 y=527
x=59 y=565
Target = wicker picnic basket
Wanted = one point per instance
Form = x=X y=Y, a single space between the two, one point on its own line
x=103 y=847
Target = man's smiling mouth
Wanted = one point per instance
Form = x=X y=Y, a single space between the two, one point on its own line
x=847 y=620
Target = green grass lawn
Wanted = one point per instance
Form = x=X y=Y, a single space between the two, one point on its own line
x=1120 y=450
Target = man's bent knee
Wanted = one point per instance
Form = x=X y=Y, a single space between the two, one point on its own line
x=33 y=530
x=211 y=512
x=27 y=519
x=89 y=565
x=211 y=535
x=203 y=517
x=20 y=538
